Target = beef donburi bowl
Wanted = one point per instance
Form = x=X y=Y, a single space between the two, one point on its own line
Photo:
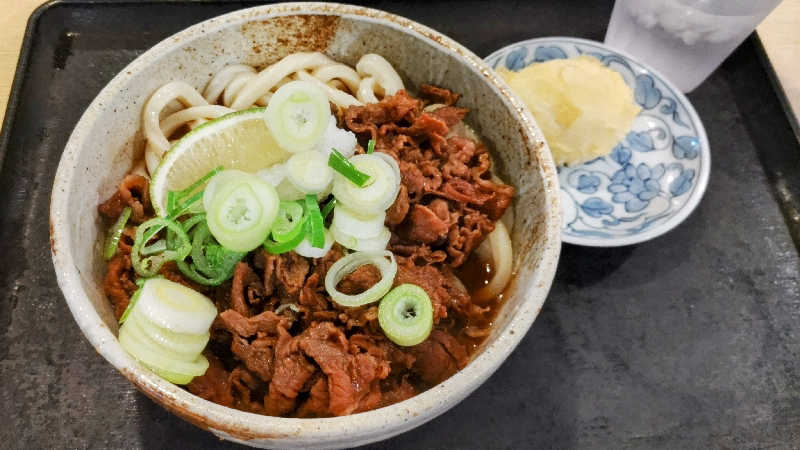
x=284 y=228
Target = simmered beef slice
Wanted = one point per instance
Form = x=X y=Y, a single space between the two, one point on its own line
x=318 y=400
x=292 y=371
x=284 y=274
x=436 y=94
x=440 y=290
x=119 y=283
x=360 y=280
x=257 y=356
x=267 y=322
x=132 y=191
x=351 y=378
x=439 y=357
x=425 y=226
x=247 y=289
x=213 y=385
x=452 y=173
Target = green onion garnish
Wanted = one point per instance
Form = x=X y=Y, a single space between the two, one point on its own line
x=405 y=315
x=340 y=164
x=175 y=198
x=328 y=208
x=289 y=222
x=316 y=224
x=115 y=233
x=370 y=146
x=212 y=264
x=147 y=266
x=276 y=248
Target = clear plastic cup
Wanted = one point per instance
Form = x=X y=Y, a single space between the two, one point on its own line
x=685 y=40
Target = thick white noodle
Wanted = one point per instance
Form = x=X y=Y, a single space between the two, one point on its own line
x=339 y=98
x=502 y=263
x=222 y=79
x=366 y=91
x=157 y=142
x=194 y=114
x=240 y=86
x=377 y=67
x=235 y=86
x=340 y=72
x=269 y=77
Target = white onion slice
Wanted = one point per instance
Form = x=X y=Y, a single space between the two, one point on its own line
x=348 y=264
x=176 y=307
x=356 y=225
x=373 y=244
x=309 y=251
x=378 y=194
x=502 y=262
x=156 y=358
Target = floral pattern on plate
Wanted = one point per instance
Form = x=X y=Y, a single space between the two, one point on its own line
x=652 y=179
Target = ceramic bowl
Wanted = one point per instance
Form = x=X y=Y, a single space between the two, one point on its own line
x=653 y=179
x=107 y=139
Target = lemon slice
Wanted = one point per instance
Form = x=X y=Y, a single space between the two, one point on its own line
x=239 y=140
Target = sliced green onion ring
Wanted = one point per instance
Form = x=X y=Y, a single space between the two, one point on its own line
x=156 y=247
x=356 y=225
x=174 y=198
x=297 y=115
x=307 y=250
x=406 y=315
x=276 y=248
x=212 y=264
x=376 y=196
x=373 y=244
x=316 y=225
x=150 y=265
x=115 y=233
x=346 y=169
x=348 y=264
x=289 y=222
x=242 y=212
x=326 y=210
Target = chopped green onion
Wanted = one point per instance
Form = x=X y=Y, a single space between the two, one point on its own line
x=340 y=164
x=328 y=208
x=406 y=315
x=212 y=264
x=176 y=197
x=156 y=247
x=370 y=146
x=185 y=206
x=289 y=222
x=115 y=233
x=150 y=265
x=316 y=222
x=276 y=248
x=172 y=199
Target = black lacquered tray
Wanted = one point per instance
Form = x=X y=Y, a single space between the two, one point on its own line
x=686 y=341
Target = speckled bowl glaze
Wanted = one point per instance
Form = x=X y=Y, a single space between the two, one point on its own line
x=107 y=139
x=653 y=179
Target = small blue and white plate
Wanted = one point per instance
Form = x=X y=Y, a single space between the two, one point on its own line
x=653 y=179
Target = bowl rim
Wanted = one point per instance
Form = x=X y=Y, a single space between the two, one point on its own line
x=345 y=430
x=705 y=149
